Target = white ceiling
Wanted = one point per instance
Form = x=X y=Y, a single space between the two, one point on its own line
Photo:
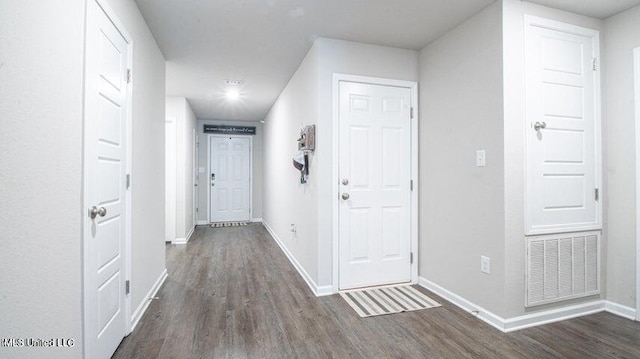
x=262 y=42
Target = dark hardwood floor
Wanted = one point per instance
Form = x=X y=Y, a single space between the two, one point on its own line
x=232 y=293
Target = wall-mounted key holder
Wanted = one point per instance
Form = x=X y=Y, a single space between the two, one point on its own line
x=307 y=140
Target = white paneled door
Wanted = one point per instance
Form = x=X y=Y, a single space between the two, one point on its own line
x=562 y=109
x=230 y=178
x=105 y=216
x=375 y=194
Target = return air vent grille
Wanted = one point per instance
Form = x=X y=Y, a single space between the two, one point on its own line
x=562 y=266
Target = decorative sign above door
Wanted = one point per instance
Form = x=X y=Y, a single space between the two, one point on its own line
x=230 y=130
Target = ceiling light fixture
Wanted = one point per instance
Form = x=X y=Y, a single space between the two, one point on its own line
x=232 y=94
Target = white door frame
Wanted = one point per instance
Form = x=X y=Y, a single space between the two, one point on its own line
x=85 y=200
x=195 y=180
x=208 y=181
x=636 y=71
x=413 y=87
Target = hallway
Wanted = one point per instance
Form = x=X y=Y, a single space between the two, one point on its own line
x=231 y=293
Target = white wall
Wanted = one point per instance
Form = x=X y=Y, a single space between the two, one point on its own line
x=514 y=145
x=306 y=100
x=41 y=173
x=147 y=174
x=204 y=185
x=187 y=173
x=41 y=216
x=179 y=110
x=472 y=97
x=621 y=36
x=285 y=200
x=461 y=205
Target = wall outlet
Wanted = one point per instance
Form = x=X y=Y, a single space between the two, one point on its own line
x=485 y=264
x=481 y=158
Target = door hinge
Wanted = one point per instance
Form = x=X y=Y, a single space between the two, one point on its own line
x=597 y=194
x=128 y=75
x=128 y=180
x=595 y=64
x=411 y=185
x=127 y=287
x=411 y=112
x=411 y=258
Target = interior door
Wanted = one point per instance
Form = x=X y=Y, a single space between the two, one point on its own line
x=562 y=135
x=106 y=98
x=230 y=178
x=375 y=173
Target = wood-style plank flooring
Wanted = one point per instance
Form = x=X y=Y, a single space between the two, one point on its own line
x=232 y=293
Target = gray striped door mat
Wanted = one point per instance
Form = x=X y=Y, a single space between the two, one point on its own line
x=228 y=224
x=387 y=300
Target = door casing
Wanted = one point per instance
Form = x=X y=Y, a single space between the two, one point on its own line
x=413 y=86
x=103 y=4
x=636 y=71
x=208 y=180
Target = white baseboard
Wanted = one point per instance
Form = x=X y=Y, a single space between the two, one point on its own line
x=256 y=220
x=519 y=322
x=483 y=314
x=321 y=291
x=202 y=223
x=553 y=315
x=186 y=239
x=135 y=317
x=318 y=291
x=620 y=310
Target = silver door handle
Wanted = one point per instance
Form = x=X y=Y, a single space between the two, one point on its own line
x=345 y=196
x=345 y=181
x=95 y=212
x=539 y=125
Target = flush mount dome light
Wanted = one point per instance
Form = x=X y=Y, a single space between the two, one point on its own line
x=232 y=94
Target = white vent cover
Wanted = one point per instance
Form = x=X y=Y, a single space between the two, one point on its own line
x=562 y=266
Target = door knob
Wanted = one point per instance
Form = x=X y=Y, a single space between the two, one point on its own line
x=345 y=196
x=539 y=125
x=345 y=181
x=95 y=212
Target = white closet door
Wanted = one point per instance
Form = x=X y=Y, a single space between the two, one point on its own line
x=106 y=95
x=562 y=105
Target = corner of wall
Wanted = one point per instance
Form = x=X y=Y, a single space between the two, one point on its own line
x=453 y=189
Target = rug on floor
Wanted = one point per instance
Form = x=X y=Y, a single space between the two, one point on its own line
x=228 y=224
x=387 y=300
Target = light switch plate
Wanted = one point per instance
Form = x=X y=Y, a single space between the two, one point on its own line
x=485 y=264
x=481 y=158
